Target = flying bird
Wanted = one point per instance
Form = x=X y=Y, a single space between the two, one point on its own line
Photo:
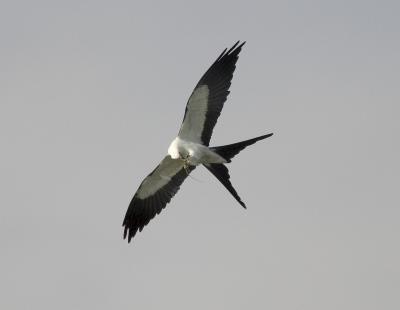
x=191 y=147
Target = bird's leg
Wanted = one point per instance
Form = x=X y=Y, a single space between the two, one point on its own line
x=186 y=167
x=186 y=163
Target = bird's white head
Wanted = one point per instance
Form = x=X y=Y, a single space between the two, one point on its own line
x=173 y=150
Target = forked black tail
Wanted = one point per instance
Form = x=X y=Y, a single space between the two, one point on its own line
x=220 y=171
x=229 y=151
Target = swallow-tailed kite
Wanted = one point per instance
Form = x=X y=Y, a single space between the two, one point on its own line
x=191 y=147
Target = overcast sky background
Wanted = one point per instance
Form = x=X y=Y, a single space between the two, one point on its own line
x=93 y=92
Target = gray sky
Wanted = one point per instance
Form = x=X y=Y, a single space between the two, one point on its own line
x=93 y=92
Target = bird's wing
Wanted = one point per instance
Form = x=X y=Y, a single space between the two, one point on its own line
x=207 y=99
x=153 y=194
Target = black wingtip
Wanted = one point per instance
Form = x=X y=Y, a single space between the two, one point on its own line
x=221 y=55
x=241 y=45
x=129 y=232
x=125 y=232
x=236 y=48
x=233 y=47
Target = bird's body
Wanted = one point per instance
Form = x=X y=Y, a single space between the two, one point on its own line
x=191 y=147
x=193 y=153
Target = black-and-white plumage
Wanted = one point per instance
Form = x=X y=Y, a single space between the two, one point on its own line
x=190 y=148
